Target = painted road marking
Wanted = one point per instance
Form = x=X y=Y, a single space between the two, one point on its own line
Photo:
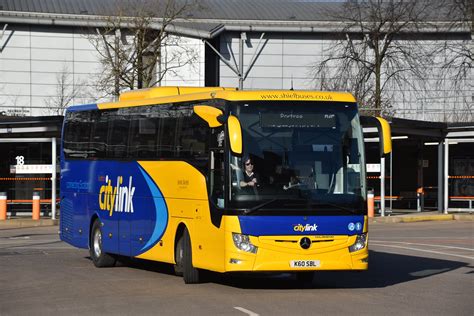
x=424 y=250
x=418 y=244
x=246 y=311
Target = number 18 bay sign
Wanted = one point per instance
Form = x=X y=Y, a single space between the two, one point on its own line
x=21 y=168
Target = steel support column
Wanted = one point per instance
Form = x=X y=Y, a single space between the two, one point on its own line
x=382 y=186
x=446 y=175
x=441 y=186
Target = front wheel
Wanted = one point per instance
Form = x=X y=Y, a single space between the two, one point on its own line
x=191 y=275
x=178 y=256
x=99 y=257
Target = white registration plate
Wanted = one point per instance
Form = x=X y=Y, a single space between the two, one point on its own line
x=305 y=263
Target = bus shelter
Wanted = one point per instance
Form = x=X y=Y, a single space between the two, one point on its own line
x=29 y=166
x=431 y=167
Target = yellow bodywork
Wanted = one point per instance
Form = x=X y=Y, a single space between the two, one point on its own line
x=185 y=193
x=163 y=95
x=275 y=252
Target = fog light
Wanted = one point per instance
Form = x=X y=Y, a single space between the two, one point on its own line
x=235 y=261
x=243 y=243
x=360 y=243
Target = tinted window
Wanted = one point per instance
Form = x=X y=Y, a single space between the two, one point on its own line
x=119 y=124
x=99 y=134
x=147 y=132
x=77 y=134
x=192 y=135
x=167 y=131
x=143 y=132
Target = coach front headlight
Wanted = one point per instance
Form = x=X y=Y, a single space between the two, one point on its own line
x=243 y=243
x=360 y=243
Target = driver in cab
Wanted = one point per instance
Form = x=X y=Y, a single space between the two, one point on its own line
x=250 y=179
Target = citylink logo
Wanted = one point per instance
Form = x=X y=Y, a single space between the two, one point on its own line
x=305 y=228
x=118 y=198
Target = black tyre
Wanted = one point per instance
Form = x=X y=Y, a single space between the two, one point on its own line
x=191 y=275
x=178 y=256
x=99 y=257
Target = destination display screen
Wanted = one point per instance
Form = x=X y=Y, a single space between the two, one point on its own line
x=297 y=120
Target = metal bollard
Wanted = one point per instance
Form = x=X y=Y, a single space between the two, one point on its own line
x=420 y=200
x=36 y=206
x=3 y=206
x=370 y=203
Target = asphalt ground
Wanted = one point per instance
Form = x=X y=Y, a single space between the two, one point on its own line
x=421 y=268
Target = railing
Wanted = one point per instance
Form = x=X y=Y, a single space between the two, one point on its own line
x=468 y=199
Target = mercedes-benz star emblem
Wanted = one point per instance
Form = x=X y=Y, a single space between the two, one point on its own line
x=305 y=242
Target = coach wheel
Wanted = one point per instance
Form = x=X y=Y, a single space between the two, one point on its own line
x=191 y=275
x=99 y=257
x=178 y=257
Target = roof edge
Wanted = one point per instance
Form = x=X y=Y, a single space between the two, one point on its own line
x=223 y=25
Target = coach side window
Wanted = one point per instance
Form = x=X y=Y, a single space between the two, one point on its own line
x=99 y=134
x=192 y=138
x=119 y=124
x=143 y=134
x=168 y=124
x=77 y=134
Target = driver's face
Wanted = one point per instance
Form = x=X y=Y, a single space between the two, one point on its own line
x=249 y=165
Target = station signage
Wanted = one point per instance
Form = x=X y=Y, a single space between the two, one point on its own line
x=22 y=168
x=31 y=169
x=373 y=167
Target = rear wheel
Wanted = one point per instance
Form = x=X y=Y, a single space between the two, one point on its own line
x=99 y=257
x=191 y=275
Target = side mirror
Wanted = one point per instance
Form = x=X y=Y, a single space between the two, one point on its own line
x=385 y=136
x=384 y=133
x=209 y=114
x=235 y=134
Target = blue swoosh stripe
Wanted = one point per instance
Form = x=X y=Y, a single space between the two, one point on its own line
x=161 y=212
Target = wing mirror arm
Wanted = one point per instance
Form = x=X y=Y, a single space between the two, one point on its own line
x=216 y=117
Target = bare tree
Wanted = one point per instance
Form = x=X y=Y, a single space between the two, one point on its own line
x=377 y=52
x=455 y=68
x=66 y=91
x=135 y=42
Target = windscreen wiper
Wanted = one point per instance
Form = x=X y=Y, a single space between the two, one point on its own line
x=306 y=205
x=283 y=201
x=259 y=206
x=352 y=211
